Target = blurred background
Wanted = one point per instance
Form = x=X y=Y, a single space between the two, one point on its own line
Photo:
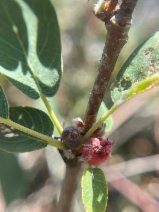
x=30 y=182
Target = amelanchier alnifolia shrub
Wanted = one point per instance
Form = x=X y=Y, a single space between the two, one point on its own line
x=30 y=58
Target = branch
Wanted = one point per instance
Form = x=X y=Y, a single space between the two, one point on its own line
x=117 y=25
x=69 y=185
x=68 y=189
x=133 y=167
x=132 y=192
x=110 y=6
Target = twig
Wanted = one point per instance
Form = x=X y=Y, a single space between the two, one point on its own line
x=134 y=167
x=69 y=185
x=117 y=35
x=131 y=191
x=110 y=6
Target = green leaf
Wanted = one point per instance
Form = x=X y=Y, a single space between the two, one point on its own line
x=30 y=47
x=12 y=177
x=143 y=86
x=4 y=110
x=142 y=64
x=94 y=190
x=13 y=140
x=109 y=121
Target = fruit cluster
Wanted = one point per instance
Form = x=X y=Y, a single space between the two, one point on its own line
x=95 y=149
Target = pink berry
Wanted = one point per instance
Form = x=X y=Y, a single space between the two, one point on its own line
x=96 y=150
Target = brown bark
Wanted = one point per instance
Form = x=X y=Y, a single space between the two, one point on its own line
x=117 y=24
x=69 y=185
x=117 y=35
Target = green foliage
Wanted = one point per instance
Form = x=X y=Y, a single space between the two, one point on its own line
x=4 y=111
x=30 y=48
x=12 y=177
x=140 y=67
x=94 y=190
x=109 y=121
x=16 y=141
x=145 y=85
x=30 y=58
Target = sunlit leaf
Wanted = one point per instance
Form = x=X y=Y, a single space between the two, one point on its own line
x=142 y=64
x=4 y=110
x=109 y=121
x=30 y=47
x=94 y=190
x=13 y=140
x=143 y=86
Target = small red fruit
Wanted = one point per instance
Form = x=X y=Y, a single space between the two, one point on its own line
x=96 y=150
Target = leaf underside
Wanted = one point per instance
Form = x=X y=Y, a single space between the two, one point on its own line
x=12 y=140
x=94 y=190
x=30 y=46
x=139 y=71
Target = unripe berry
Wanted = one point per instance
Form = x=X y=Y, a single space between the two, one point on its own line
x=70 y=136
x=96 y=150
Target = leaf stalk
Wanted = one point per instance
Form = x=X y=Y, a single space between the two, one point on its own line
x=46 y=139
